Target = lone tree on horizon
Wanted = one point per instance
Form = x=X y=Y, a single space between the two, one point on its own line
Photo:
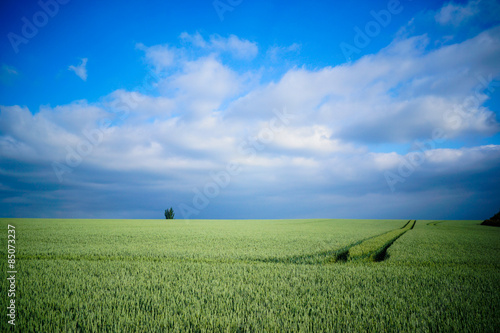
x=169 y=214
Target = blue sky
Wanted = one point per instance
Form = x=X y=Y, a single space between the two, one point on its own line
x=250 y=109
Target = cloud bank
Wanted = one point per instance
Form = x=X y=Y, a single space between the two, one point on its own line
x=374 y=138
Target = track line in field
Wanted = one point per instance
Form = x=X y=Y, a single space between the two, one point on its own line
x=332 y=256
x=376 y=247
x=405 y=224
x=436 y=222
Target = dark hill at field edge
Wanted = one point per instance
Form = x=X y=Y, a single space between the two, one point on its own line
x=493 y=221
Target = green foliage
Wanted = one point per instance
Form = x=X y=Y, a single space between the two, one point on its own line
x=251 y=276
x=169 y=213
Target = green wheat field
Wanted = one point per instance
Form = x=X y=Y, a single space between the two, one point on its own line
x=252 y=276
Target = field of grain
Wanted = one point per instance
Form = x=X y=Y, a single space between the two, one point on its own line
x=253 y=275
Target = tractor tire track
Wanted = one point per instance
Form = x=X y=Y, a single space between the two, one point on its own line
x=375 y=249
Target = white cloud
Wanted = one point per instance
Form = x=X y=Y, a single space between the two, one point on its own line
x=191 y=123
x=161 y=56
x=400 y=94
x=80 y=70
x=8 y=73
x=275 y=53
x=10 y=70
x=309 y=141
x=456 y=14
x=139 y=106
x=202 y=85
x=239 y=48
x=385 y=161
x=205 y=108
x=44 y=135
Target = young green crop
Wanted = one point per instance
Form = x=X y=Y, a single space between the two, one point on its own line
x=196 y=240
x=374 y=248
x=212 y=276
